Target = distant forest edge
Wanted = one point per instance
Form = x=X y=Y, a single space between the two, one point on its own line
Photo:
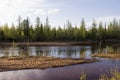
x=40 y=32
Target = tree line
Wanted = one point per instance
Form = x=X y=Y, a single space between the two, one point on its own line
x=24 y=31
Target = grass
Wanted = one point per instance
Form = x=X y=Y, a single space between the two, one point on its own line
x=114 y=73
x=102 y=55
x=83 y=76
x=18 y=63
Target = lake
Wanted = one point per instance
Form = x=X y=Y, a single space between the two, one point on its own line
x=93 y=70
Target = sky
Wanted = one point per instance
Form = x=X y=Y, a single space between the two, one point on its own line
x=59 y=11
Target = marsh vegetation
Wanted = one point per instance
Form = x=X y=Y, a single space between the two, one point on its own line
x=18 y=63
x=114 y=74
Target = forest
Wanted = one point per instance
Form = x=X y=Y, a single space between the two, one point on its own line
x=44 y=32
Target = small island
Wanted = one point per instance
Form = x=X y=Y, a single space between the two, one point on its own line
x=43 y=62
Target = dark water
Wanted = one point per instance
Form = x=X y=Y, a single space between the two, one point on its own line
x=93 y=70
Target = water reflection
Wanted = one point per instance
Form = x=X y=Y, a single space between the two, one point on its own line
x=82 y=53
x=57 y=51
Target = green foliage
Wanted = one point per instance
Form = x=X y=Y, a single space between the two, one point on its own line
x=25 y=25
x=83 y=30
x=24 y=31
x=93 y=31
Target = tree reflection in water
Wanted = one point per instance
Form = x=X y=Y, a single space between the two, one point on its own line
x=82 y=53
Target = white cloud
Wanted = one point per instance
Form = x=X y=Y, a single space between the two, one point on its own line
x=11 y=9
x=18 y=6
x=40 y=11
x=106 y=20
x=53 y=11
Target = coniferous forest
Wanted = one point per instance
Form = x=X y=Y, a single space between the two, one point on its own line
x=40 y=32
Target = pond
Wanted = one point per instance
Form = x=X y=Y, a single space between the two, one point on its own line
x=93 y=70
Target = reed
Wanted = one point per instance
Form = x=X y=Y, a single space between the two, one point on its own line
x=114 y=75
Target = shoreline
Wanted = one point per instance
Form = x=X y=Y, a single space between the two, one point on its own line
x=21 y=63
x=48 y=43
x=59 y=43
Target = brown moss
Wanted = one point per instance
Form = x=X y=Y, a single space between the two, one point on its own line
x=17 y=63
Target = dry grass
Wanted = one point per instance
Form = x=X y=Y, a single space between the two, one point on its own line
x=114 y=75
x=83 y=76
x=106 y=55
x=17 y=63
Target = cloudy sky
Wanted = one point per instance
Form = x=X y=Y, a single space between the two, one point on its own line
x=59 y=11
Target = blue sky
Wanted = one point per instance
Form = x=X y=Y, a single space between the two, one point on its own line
x=59 y=11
